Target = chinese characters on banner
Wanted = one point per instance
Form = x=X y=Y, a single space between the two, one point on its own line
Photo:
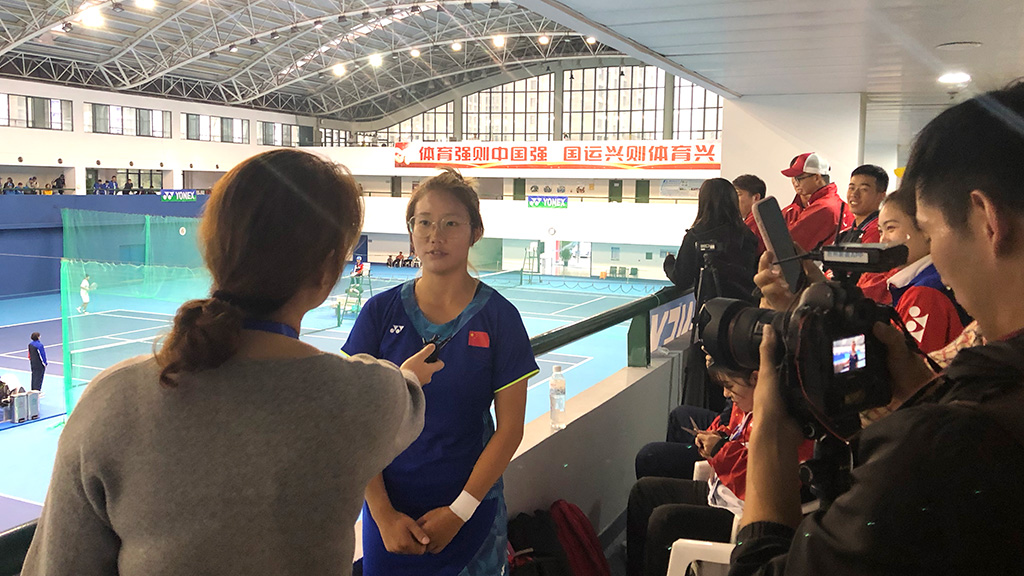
x=617 y=155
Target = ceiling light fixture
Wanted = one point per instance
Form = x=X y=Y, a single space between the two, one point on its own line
x=366 y=14
x=955 y=78
x=68 y=26
x=591 y=40
x=254 y=41
x=495 y=5
x=376 y=60
x=571 y=77
x=414 y=53
x=543 y=40
x=275 y=35
x=146 y=4
x=415 y=9
x=957 y=46
x=213 y=54
x=389 y=11
x=467 y=5
x=233 y=48
x=456 y=46
x=295 y=29
x=318 y=24
x=117 y=7
x=498 y=41
x=338 y=69
x=342 y=19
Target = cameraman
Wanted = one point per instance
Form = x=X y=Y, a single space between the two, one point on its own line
x=936 y=485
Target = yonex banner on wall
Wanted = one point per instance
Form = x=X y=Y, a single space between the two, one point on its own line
x=547 y=201
x=612 y=155
x=177 y=195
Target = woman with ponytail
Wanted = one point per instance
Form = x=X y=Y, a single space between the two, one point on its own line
x=236 y=448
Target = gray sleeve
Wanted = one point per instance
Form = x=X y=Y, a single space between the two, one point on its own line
x=73 y=536
x=401 y=407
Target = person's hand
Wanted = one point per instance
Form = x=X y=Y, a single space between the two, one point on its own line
x=772 y=415
x=417 y=364
x=441 y=525
x=774 y=288
x=706 y=442
x=908 y=371
x=402 y=535
x=669 y=263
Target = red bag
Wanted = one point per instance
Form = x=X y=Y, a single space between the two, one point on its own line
x=578 y=538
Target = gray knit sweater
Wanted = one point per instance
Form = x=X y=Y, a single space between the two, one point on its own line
x=256 y=467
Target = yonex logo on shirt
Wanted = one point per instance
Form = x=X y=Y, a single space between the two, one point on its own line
x=396 y=329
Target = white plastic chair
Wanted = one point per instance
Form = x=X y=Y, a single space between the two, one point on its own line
x=714 y=556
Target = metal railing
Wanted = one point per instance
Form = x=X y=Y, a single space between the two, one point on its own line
x=638 y=337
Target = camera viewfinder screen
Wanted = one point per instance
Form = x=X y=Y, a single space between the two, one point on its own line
x=849 y=354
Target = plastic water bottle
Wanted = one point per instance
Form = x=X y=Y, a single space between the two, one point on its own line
x=556 y=386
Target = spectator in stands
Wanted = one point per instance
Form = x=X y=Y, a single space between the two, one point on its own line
x=814 y=216
x=662 y=510
x=37 y=359
x=868 y=185
x=97 y=186
x=20 y=188
x=936 y=484
x=129 y=187
x=407 y=262
x=59 y=184
x=750 y=189
x=400 y=259
x=33 y=182
x=391 y=261
x=112 y=187
x=924 y=302
x=195 y=448
x=719 y=237
x=9 y=183
x=864 y=196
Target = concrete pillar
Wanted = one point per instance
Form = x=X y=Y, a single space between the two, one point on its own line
x=669 y=120
x=457 y=119
x=559 y=89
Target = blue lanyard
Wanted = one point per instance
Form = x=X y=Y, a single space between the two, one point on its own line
x=272 y=327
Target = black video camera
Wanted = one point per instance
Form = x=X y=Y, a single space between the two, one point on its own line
x=831 y=365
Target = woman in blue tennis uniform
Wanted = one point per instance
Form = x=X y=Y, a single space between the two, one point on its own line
x=438 y=508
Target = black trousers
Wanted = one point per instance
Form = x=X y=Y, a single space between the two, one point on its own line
x=663 y=510
x=674 y=458
x=37 y=378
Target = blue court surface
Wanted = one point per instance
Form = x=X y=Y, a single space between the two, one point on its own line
x=125 y=327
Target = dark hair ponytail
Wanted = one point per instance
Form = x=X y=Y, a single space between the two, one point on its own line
x=206 y=334
x=275 y=224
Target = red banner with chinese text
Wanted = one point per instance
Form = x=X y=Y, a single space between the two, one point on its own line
x=613 y=155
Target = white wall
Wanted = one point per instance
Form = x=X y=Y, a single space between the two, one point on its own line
x=761 y=134
x=884 y=156
x=380 y=246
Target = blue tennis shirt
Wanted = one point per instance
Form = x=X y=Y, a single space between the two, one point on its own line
x=487 y=350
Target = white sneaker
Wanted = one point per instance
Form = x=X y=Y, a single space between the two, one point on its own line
x=79 y=309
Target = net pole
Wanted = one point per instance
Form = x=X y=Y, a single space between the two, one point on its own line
x=65 y=331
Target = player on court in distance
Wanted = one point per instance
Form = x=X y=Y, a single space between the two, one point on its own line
x=438 y=508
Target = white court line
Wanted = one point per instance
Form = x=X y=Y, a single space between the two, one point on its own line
x=530 y=288
x=21 y=500
x=599 y=298
x=570 y=368
x=148 y=340
x=27 y=323
x=121 y=316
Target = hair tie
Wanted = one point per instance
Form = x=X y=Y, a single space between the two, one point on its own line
x=251 y=305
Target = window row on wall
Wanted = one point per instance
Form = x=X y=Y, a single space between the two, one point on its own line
x=35 y=112
x=277 y=134
x=214 y=128
x=127 y=121
x=610 y=103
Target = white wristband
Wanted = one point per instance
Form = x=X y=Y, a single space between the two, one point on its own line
x=464 y=506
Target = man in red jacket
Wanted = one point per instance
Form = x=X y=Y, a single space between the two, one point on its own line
x=868 y=184
x=814 y=216
x=750 y=189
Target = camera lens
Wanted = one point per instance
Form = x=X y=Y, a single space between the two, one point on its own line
x=731 y=332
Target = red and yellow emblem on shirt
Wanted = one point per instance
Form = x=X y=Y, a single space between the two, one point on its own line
x=479 y=339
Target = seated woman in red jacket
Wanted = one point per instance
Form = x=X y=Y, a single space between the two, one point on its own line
x=662 y=510
x=926 y=305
